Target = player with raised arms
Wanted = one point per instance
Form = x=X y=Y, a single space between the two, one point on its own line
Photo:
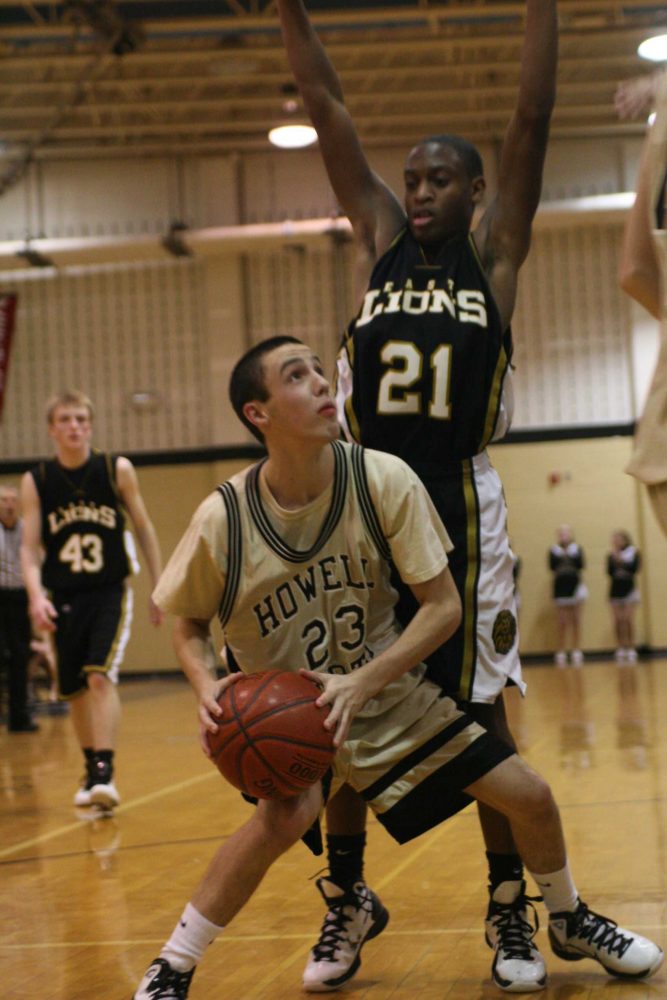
x=424 y=373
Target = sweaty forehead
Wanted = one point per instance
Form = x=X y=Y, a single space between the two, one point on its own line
x=429 y=155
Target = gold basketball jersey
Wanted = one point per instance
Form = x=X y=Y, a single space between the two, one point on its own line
x=311 y=587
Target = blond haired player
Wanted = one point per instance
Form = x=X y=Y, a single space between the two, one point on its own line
x=75 y=565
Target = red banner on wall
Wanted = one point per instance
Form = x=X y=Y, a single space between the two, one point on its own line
x=7 y=316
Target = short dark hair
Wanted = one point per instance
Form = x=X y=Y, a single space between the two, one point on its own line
x=469 y=154
x=247 y=379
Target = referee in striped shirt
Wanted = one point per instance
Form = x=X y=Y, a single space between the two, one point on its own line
x=15 y=629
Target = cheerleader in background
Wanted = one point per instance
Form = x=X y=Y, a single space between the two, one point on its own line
x=566 y=561
x=623 y=564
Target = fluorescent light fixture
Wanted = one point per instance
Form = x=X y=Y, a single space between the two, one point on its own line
x=293 y=136
x=651 y=118
x=654 y=49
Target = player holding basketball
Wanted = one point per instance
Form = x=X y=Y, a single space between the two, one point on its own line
x=75 y=566
x=294 y=554
x=423 y=373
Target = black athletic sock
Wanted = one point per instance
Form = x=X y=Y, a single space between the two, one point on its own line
x=102 y=767
x=346 y=858
x=504 y=868
x=89 y=757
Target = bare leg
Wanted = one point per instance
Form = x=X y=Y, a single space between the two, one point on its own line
x=517 y=791
x=561 y=627
x=240 y=864
x=618 y=625
x=625 y=617
x=104 y=711
x=630 y=625
x=575 y=624
x=496 y=828
x=81 y=719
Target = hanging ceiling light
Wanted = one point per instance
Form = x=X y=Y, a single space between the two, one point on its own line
x=292 y=133
x=292 y=136
x=654 y=48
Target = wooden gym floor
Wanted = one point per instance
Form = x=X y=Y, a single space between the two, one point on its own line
x=87 y=902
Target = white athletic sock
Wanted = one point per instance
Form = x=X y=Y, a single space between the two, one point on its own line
x=558 y=890
x=191 y=937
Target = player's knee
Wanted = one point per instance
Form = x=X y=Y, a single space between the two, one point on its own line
x=537 y=802
x=97 y=681
x=285 y=822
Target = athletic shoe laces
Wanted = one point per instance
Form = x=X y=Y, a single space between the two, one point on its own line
x=169 y=984
x=515 y=933
x=334 y=929
x=599 y=931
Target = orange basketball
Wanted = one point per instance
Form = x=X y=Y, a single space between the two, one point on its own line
x=271 y=741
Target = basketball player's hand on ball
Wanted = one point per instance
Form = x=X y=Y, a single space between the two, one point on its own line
x=209 y=710
x=346 y=694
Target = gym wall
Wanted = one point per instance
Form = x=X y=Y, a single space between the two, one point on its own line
x=139 y=323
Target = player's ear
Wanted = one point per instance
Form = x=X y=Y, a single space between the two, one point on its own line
x=255 y=414
x=478 y=189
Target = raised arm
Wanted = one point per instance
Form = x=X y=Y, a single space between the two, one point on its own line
x=503 y=235
x=639 y=268
x=374 y=211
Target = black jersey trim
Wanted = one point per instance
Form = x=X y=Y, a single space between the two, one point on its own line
x=366 y=505
x=495 y=397
x=111 y=462
x=333 y=516
x=471 y=584
x=399 y=236
x=234 y=551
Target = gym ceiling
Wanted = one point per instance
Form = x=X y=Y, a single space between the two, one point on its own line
x=89 y=78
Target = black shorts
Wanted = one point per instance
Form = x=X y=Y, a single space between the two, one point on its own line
x=92 y=630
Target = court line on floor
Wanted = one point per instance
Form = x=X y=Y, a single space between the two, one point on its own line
x=126 y=807
x=229 y=938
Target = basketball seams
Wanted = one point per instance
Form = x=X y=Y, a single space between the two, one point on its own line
x=280 y=776
x=287 y=759
x=245 y=727
x=239 y=710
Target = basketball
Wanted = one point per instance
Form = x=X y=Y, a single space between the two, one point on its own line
x=271 y=741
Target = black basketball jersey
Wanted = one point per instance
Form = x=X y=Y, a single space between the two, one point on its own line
x=421 y=369
x=83 y=524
